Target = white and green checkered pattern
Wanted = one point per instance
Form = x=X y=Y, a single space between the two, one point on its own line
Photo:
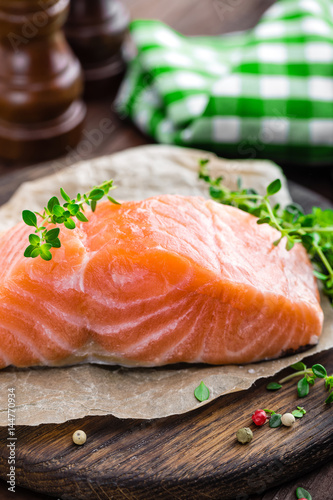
x=266 y=92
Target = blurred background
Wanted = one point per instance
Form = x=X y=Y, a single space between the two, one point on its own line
x=104 y=130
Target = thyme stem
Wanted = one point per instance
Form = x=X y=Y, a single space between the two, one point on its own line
x=296 y=374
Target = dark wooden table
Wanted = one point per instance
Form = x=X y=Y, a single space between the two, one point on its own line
x=192 y=17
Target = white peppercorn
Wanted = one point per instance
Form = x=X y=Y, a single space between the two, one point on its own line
x=79 y=437
x=288 y=419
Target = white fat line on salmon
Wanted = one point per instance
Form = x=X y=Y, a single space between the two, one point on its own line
x=35 y=320
x=213 y=325
x=55 y=339
x=216 y=239
x=250 y=339
x=114 y=328
x=81 y=275
x=187 y=335
x=26 y=343
x=100 y=297
x=200 y=221
x=203 y=237
x=302 y=319
x=172 y=325
x=209 y=258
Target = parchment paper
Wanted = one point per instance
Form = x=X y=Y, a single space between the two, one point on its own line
x=54 y=395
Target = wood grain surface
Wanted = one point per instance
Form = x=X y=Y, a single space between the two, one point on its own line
x=46 y=458
x=195 y=455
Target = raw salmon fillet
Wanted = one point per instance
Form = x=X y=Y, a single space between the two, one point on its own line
x=166 y=280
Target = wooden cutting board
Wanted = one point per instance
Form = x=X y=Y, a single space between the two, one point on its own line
x=195 y=455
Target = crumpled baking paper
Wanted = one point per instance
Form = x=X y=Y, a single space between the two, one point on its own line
x=55 y=395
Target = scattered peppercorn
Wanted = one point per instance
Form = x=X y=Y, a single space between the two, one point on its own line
x=259 y=417
x=79 y=437
x=288 y=419
x=244 y=435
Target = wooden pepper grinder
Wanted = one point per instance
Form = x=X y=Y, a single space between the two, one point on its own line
x=41 y=114
x=96 y=30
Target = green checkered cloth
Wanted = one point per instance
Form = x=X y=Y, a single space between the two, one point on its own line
x=266 y=92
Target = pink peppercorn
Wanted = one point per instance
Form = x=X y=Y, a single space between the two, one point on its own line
x=259 y=417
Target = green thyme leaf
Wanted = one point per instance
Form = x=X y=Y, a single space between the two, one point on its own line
x=297 y=413
x=319 y=371
x=115 y=202
x=81 y=217
x=34 y=239
x=56 y=243
x=201 y=392
x=58 y=211
x=73 y=208
x=28 y=251
x=274 y=187
x=65 y=195
x=52 y=234
x=298 y=366
x=302 y=493
x=329 y=399
x=215 y=193
x=52 y=202
x=70 y=224
x=273 y=386
x=329 y=382
x=294 y=210
x=45 y=252
x=96 y=194
x=35 y=253
x=203 y=162
x=29 y=218
x=290 y=244
x=275 y=420
x=320 y=276
x=264 y=220
x=303 y=387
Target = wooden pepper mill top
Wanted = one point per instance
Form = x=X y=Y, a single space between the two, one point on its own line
x=96 y=30
x=40 y=81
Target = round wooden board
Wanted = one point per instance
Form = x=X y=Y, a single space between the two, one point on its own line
x=195 y=455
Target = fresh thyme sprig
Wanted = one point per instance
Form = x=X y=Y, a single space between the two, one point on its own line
x=314 y=231
x=42 y=240
x=307 y=377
